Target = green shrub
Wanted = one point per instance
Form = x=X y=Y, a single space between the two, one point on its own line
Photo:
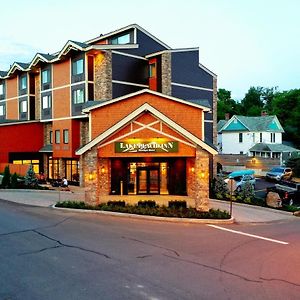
x=161 y=211
x=30 y=178
x=116 y=203
x=220 y=188
x=147 y=203
x=177 y=204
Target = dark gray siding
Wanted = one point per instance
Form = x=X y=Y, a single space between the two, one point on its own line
x=119 y=90
x=46 y=113
x=190 y=93
x=208 y=131
x=146 y=45
x=129 y=69
x=185 y=70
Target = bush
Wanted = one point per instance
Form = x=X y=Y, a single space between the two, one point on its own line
x=161 y=211
x=116 y=203
x=147 y=203
x=220 y=188
x=177 y=204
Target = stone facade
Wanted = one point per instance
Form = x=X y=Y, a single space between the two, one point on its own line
x=166 y=77
x=200 y=182
x=47 y=129
x=84 y=132
x=103 y=76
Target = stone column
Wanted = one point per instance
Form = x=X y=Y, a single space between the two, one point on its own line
x=103 y=76
x=104 y=177
x=201 y=187
x=89 y=175
x=166 y=75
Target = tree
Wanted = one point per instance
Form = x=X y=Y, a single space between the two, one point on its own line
x=253 y=104
x=226 y=104
x=294 y=163
x=6 y=177
x=30 y=178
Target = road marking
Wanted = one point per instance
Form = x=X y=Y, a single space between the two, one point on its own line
x=248 y=234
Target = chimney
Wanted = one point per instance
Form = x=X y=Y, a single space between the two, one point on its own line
x=227 y=116
x=264 y=113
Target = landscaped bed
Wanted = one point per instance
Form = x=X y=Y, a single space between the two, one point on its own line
x=150 y=209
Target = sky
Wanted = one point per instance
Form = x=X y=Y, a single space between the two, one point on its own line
x=245 y=42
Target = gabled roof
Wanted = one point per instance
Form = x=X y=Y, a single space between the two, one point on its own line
x=257 y=124
x=263 y=147
x=145 y=108
x=17 y=66
x=41 y=57
x=123 y=29
x=103 y=103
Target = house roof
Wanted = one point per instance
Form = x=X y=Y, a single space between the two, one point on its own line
x=263 y=147
x=258 y=124
x=220 y=124
x=146 y=107
x=103 y=103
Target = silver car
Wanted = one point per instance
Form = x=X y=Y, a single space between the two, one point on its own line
x=279 y=173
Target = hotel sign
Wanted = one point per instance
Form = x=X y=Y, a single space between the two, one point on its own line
x=146 y=146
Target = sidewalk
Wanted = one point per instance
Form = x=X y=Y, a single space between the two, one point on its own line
x=242 y=213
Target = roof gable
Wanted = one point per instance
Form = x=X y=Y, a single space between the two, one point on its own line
x=235 y=125
x=148 y=108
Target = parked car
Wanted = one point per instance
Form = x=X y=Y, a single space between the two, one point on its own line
x=279 y=173
x=288 y=191
x=241 y=177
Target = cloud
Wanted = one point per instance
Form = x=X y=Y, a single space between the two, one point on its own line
x=11 y=51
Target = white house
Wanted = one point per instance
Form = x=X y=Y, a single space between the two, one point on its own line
x=253 y=136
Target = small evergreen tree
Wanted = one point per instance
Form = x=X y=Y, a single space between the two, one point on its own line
x=220 y=188
x=30 y=178
x=6 y=178
x=14 y=180
x=247 y=192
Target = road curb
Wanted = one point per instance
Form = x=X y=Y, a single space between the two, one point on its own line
x=150 y=218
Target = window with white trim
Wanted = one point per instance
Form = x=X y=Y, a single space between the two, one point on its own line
x=77 y=67
x=66 y=136
x=1 y=110
x=45 y=76
x=57 y=136
x=23 y=82
x=23 y=106
x=240 y=137
x=46 y=102
x=1 y=89
x=272 y=137
x=78 y=96
x=119 y=40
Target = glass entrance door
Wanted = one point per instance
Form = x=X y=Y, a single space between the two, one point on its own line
x=148 y=180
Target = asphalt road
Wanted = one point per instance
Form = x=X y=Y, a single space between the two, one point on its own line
x=51 y=254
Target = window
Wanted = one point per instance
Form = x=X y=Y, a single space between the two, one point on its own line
x=240 y=137
x=53 y=167
x=46 y=102
x=23 y=106
x=1 y=110
x=78 y=96
x=272 y=137
x=51 y=137
x=123 y=39
x=1 y=89
x=66 y=136
x=23 y=82
x=34 y=162
x=260 y=137
x=57 y=136
x=72 y=170
x=152 y=70
x=45 y=76
x=77 y=67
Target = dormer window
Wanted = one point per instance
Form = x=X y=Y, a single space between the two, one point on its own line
x=120 y=40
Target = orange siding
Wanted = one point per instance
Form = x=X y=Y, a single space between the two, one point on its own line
x=11 y=87
x=186 y=116
x=61 y=73
x=12 y=109
x=61 y=103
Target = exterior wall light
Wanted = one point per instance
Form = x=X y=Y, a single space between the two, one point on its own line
x=102 y=169
x=192 y=169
